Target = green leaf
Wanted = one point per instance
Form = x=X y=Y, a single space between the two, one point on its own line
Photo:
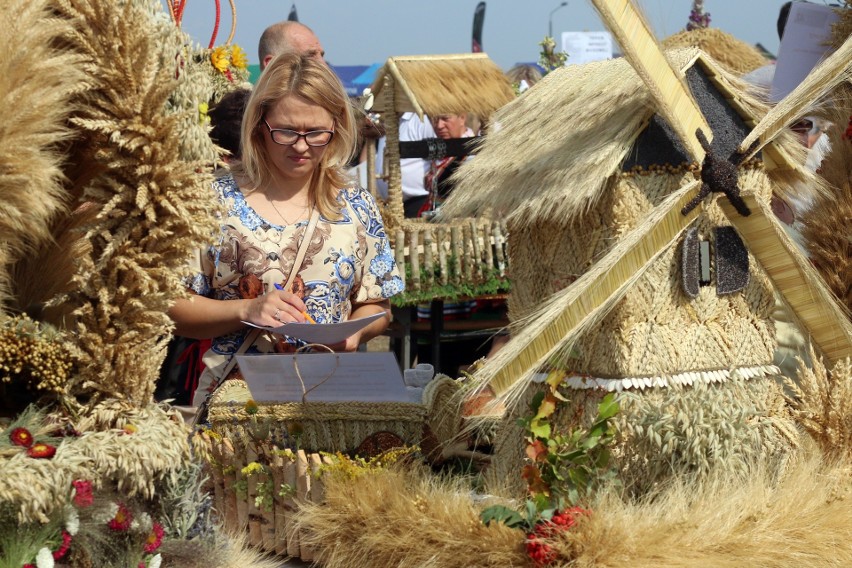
x=608 y=407
x=536 y=401
x=501 y=514
x=540 y=429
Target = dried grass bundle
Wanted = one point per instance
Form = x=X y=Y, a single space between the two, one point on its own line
x=821 y=401
x=733 y=54
x=154 y=209
x=133 y=460
x=35 y=114
x=726 y=522
x=404 y=518
x=828 y=222
x=227 y=550
x=843 y=28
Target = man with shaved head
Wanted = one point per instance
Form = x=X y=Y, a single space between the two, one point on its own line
x=288 y=36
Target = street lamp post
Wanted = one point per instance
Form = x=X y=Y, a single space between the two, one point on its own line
x=550 y=19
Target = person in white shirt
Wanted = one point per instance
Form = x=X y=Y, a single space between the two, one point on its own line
x=413 y=170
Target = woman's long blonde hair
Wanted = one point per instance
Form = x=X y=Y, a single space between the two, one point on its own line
x=312 y=80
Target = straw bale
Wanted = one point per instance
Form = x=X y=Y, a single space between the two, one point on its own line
x=733 y=54
x=443 y=84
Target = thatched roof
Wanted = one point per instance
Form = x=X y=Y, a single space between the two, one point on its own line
x=733 y=54
x=552 y=150
x=439 y=84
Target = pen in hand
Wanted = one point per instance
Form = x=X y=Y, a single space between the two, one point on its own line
x=308 y=318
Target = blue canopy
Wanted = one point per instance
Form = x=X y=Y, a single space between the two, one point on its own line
x=366 y=78
x=347 y=74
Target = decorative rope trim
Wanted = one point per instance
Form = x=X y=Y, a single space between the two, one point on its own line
x=579 y=382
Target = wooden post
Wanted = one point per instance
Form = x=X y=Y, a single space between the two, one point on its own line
x=399 y=253
x=456 y=251
x=303 y=492
x=467 y=248
x=253 y=514
x=391 y=164
x=486 y=243
x=442 y=255
x=290 y=476
x=498 y=249
x=280 y=517
x=428 y=263
x=414 y=257
x=476 y=250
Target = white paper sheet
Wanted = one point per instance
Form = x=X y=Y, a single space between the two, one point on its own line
x=339 y=377
x=324 y=333
x=802 y=47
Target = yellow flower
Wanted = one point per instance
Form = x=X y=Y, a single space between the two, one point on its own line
x=238 y=57
x=220 y=59
x=251 y=407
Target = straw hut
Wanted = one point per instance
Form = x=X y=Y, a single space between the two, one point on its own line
x=610 y=285
x=443 y=255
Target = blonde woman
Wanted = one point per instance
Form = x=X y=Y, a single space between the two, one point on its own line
x=298 y=133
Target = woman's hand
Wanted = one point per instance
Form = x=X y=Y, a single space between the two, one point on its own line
x=275 y=308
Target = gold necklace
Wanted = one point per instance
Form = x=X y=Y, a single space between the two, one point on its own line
x=283 y=218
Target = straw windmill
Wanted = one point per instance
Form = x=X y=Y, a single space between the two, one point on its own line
x=452 y=254
x=610 y=283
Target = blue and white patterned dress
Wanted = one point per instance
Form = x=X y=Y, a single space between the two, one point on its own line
x=348 y=260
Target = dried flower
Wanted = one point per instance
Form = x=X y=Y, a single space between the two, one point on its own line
x=41 y=451
x=251 y=407
x=63 y=549
x=130 y=429
x=238 y=57
x=44 y=558
x=155 y=538
x=72 y=522
x=21 y=437
x=220 y=59
x=121 y=520
x=83 y=496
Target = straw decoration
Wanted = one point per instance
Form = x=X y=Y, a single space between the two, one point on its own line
x=804 y=291
x=589 y=298
x=673 y=99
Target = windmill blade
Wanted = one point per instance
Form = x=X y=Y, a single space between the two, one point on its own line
x=591 y=296
x=832 y=71
x=798 y=283
x=673 y=98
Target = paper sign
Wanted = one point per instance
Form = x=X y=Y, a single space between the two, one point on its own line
x=338 y=377
x=807 y=31
x=324 y=333
x=585 y=47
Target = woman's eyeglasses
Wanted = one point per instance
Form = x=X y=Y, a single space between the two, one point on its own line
x=287 y=137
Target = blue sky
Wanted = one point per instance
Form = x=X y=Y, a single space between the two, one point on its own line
x=360 y=32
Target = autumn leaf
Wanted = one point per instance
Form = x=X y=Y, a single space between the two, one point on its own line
x=536 y=484
x=536 y=450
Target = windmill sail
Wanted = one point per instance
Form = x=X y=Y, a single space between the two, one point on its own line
x=293 y=17
x=673 y=99
x=478 y=23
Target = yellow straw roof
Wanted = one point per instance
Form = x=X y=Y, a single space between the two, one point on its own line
x=439 y=84
x=550 y=152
